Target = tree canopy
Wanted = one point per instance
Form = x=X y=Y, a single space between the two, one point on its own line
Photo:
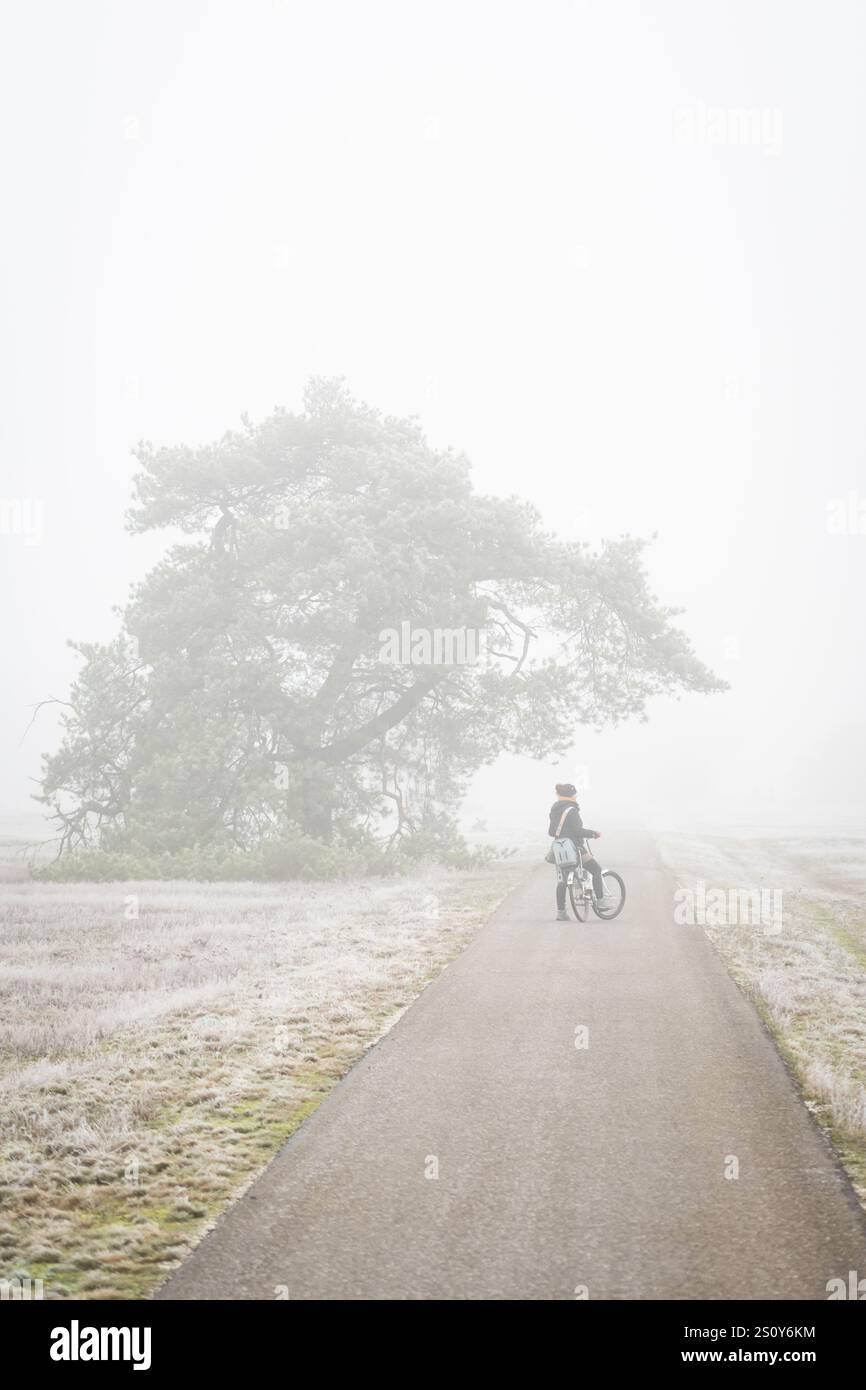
x=251 y=690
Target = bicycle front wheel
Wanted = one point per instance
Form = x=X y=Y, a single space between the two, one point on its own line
x=614 y=892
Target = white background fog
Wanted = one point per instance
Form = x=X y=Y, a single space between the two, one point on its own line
x=500 y=217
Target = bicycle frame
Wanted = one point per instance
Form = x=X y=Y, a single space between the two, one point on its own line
x=579 y=874
x=585 y=877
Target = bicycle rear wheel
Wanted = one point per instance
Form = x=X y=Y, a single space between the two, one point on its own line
x=576 y=898
x=614 y=890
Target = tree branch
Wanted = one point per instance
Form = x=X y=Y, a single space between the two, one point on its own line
x=374 y=728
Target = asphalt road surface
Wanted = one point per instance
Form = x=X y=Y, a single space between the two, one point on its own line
x=477 y=1153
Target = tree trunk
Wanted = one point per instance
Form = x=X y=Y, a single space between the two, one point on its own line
x=314 y=799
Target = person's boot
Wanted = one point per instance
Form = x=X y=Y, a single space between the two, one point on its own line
x=561 y=915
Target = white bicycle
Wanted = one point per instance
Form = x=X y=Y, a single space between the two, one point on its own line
x=581 y=893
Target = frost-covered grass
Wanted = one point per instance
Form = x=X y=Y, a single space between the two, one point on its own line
x=809 y=979
x=158 y=1041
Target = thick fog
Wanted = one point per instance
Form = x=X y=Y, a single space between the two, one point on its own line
x=613 y=251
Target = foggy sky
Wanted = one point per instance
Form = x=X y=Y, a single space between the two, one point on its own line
x=537 y=226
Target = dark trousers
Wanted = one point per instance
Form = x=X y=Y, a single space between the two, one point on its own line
x=597 y=882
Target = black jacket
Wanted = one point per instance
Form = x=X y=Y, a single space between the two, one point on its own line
x=573 y=828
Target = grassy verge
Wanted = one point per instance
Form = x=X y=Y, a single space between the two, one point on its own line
x=808 y=980
x=159 y=1041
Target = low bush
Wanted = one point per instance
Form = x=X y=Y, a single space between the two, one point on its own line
x=292 y=857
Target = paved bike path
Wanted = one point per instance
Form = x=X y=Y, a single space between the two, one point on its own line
x=558 y=1167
